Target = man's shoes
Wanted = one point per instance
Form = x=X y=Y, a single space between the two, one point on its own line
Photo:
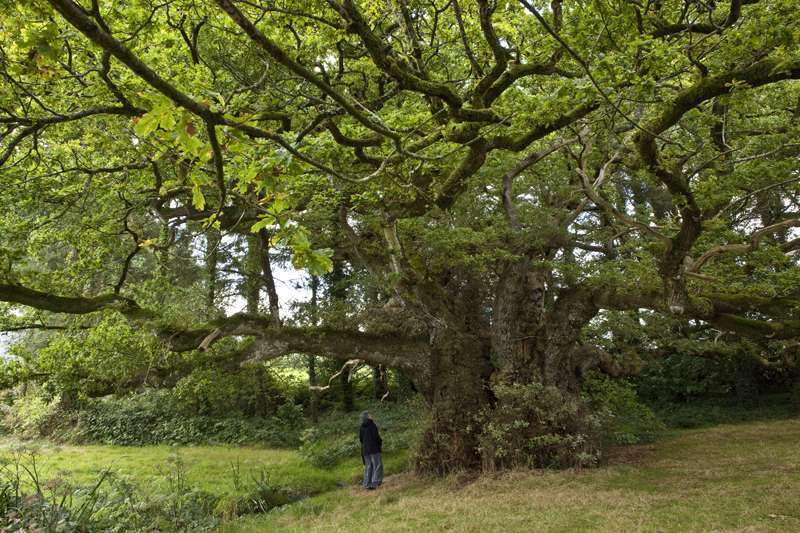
x=371 y=488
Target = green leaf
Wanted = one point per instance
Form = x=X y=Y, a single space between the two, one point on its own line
x=198 y=200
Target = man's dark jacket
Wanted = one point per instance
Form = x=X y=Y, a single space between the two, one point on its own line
x=370 y=439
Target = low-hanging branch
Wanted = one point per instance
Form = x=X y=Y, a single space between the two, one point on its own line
x=271 y=341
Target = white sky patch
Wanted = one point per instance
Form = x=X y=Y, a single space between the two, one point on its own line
x=4 y=342
x=292 y=287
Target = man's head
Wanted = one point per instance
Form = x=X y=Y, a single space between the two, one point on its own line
x=365 y=416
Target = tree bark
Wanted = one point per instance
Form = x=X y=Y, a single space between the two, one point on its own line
x=346 y=391
x=460 y=367
x=269 y=280
x=212 y=255
x=252 y=272
x=378 y=382
x=313 y=382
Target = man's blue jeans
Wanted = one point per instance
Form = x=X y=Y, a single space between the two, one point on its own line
x=373 y=470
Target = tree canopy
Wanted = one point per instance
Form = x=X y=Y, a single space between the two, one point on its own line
x=495 y=179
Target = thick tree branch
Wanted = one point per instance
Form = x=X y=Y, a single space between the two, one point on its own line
x=71 y=305
x=270 y=342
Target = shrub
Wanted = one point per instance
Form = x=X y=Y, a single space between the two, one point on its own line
x=326 y=452
x=725 y=410
x=683 y=377
x=794 y=396
x=151 y=417
x=536 y=426
x=623 y=418
x=30 y=414
x=252 y=391
x=261 y=497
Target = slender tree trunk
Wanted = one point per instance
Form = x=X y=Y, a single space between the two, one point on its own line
x=379 y=388
x=252 y=273
x=346 y=390
x=212 y=256
x=269 y=280
x=313 y=382
x=165 y=238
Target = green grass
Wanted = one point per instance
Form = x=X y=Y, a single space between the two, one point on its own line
x=735 y=477
x=742 y=477
x=207 y=467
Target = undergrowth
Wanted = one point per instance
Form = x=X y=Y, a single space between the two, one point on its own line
x=113 y=503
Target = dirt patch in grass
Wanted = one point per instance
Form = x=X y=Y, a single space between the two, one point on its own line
x=632 y=455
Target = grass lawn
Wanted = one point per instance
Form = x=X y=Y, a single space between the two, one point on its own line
x=738 y=477
x=207 y=467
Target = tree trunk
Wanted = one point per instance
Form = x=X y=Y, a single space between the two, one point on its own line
x=346 y=391
x=313 y=382
x=269 y=280
x=459 y=392
x=212 y=255
x=252 y=272
x=378 y=382
x=405 y=386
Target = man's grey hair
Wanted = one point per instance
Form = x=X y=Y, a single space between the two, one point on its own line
x=364 y=416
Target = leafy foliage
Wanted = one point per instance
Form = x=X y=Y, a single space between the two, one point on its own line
x=152 y=417
x=158 y=158
x=624 y=419
x=536 y=426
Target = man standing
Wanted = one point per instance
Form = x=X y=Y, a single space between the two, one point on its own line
x=370 y=452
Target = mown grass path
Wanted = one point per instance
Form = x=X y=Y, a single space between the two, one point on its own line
x=743 y=477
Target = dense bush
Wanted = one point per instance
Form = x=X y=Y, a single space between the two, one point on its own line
x=684 y=377
x=252 y=391
x=623 y=418
x=30 y=414
x=151 y=417
x=794 y=396
x=536 y=426
x=704 y=412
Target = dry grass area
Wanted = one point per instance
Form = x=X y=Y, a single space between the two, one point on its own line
x=743 y=477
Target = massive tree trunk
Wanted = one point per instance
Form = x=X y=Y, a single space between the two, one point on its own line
x=457 y=393
x=536 y=329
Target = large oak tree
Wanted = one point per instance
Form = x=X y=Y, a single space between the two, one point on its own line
x=500 y=172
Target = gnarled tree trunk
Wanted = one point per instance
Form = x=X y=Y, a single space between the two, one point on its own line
x=457 y=393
